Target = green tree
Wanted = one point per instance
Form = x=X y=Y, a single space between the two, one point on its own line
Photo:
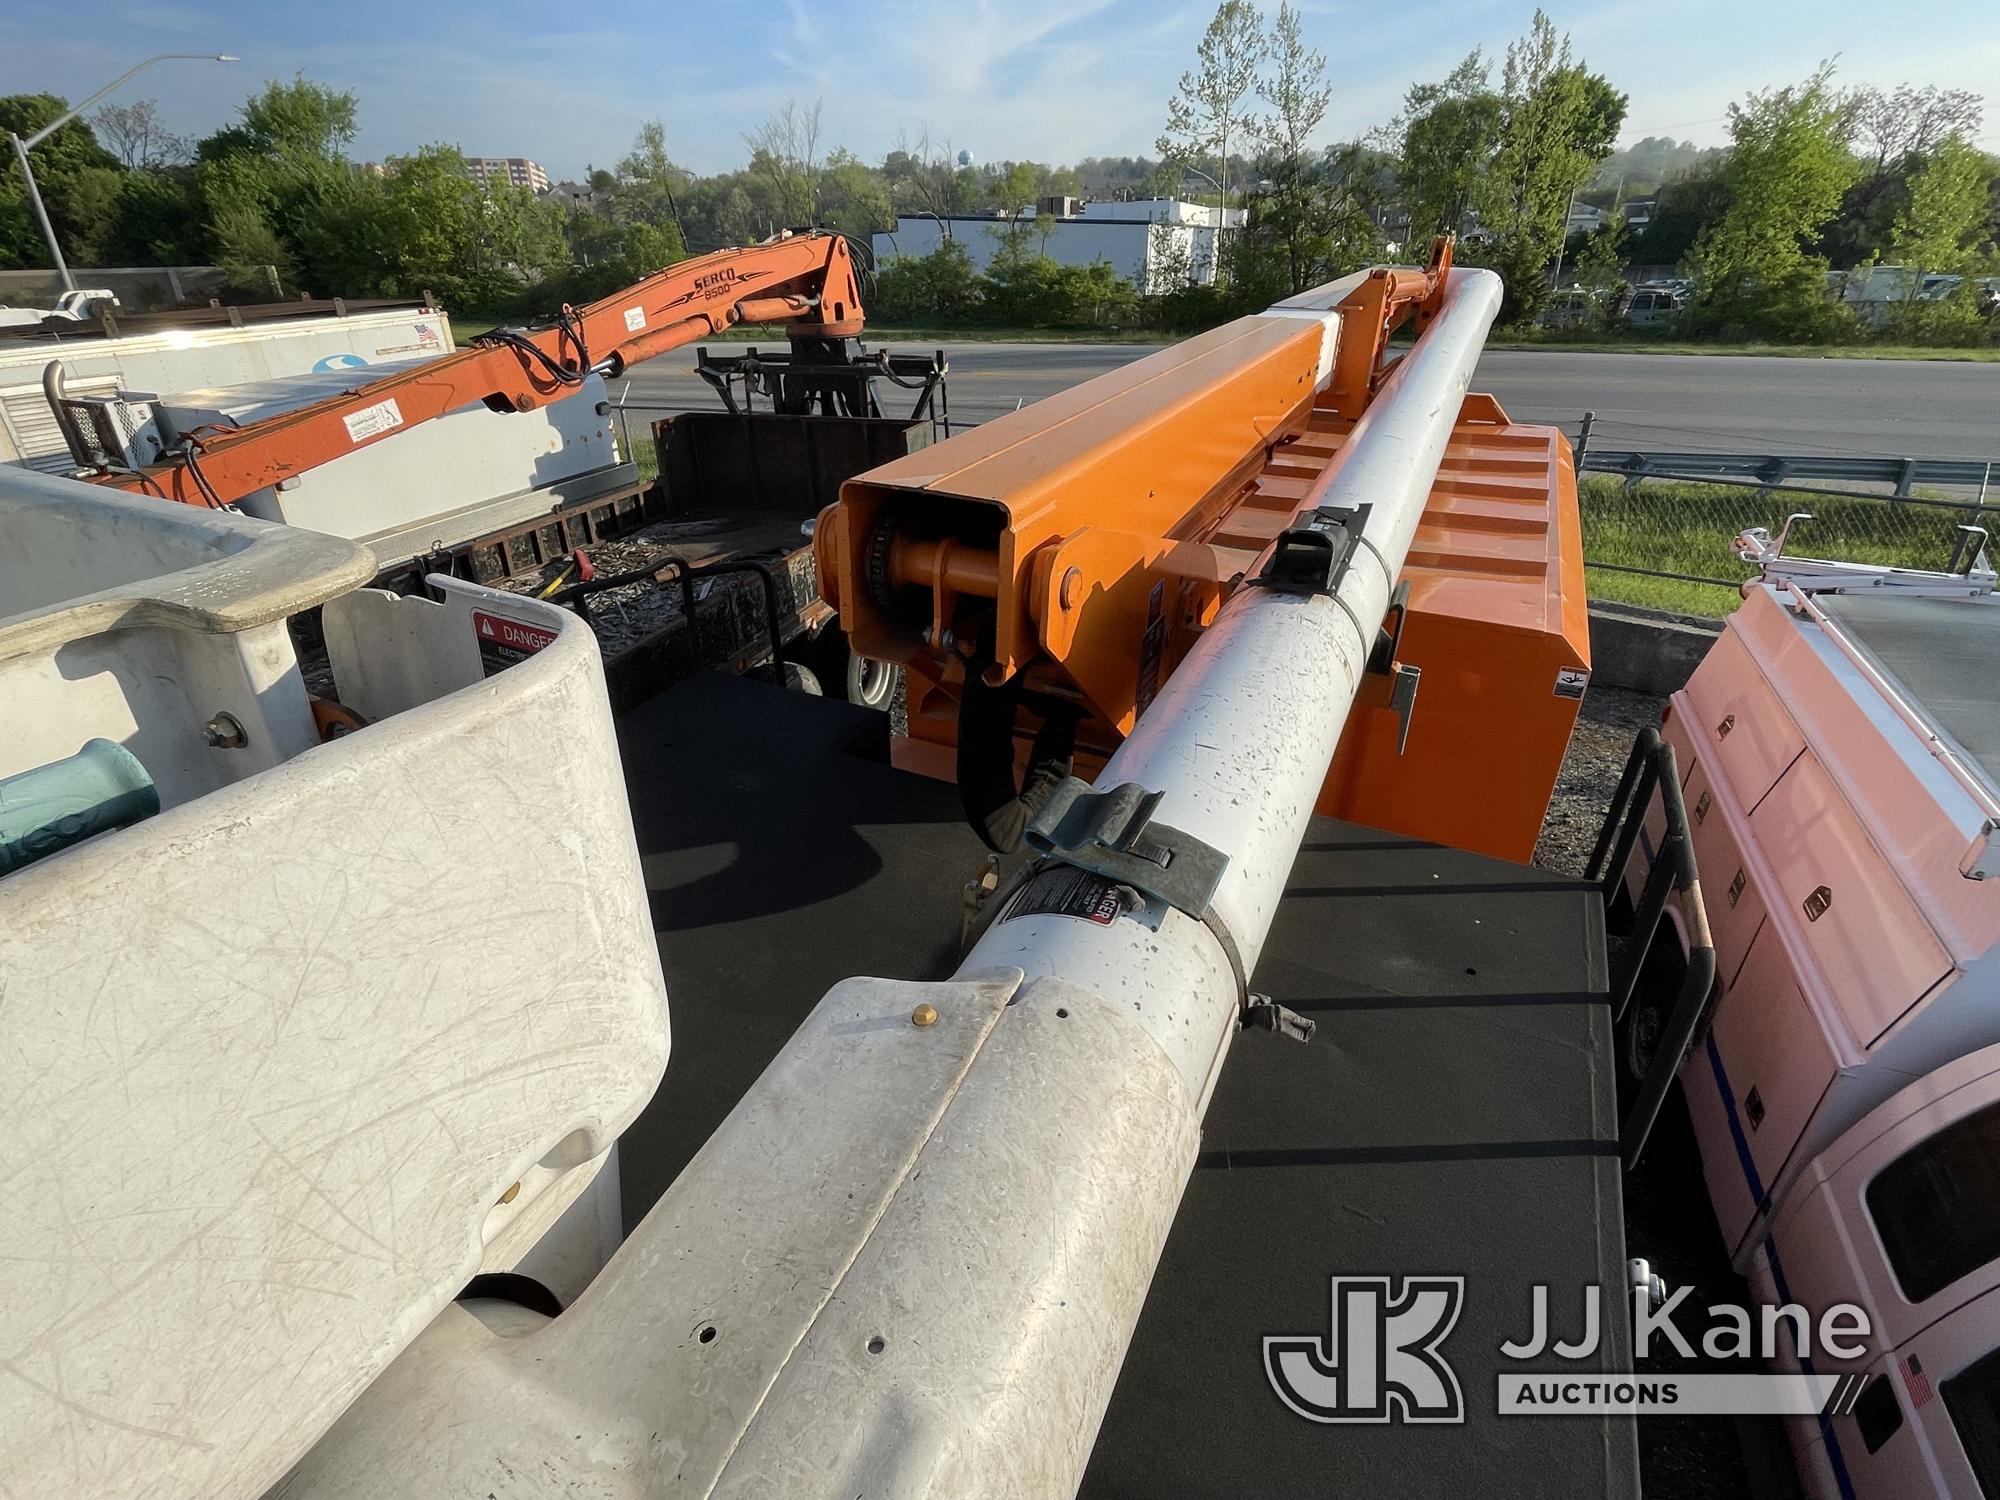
x=1295 y=209
x=1600 y=271
x=1445 y=137
x=300 y=118
x=157 y=221
x=79 y=182
x=854 y=198
x=643 y=186
x=1945 y=229
x=1753 y=272
x=1556 y=123
x=1689 y=204
x=939 y=288
x=1207 y=111
x=253 y=258
x=1895 y=131
x=1015 y=186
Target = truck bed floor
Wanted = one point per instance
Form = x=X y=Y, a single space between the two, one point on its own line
x=1454 y=1115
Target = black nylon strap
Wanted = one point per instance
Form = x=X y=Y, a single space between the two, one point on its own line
x=995 y=806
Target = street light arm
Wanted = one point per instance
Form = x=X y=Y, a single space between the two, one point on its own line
x=63 y=119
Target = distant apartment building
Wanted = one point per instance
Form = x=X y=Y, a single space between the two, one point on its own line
x=512 y=171
x=1154 y=243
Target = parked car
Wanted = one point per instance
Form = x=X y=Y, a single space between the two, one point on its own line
x=1570 y=307
x=1654 y=307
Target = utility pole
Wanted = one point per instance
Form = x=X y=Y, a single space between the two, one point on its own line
x=1562 y=244
x=21 y=147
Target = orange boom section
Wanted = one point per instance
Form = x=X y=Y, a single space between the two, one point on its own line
x=1041 y=577
x=804 y=280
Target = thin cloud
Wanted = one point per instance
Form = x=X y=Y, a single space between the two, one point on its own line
x=1036 y=79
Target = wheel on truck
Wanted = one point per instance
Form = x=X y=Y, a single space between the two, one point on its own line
x=1658 y=990
x=871 y=684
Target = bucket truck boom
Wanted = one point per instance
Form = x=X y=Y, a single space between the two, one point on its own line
x=806 y=281
x=910 y=1262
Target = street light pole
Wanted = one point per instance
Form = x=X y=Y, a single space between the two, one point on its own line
x=41 y=213
x=21 y=147
x=1221 y=215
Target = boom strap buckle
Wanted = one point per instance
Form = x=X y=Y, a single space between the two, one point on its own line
x=1314 y=557
x=1113 y=834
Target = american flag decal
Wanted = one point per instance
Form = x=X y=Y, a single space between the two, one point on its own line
x=1916 y=1382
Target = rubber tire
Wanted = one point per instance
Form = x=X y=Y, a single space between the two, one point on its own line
x=870 y=684
x=865 y=683
x=1639 y=1038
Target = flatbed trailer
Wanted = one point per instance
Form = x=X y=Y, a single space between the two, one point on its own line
x=720 y=533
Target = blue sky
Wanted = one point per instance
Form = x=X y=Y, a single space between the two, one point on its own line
x=1052 y=80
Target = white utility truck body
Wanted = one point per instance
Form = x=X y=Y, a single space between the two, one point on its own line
x=1839 y=749
x=304 y=1051
x=199 y=356
x=437 y=483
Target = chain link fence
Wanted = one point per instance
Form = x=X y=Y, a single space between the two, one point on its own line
x=1663 y=540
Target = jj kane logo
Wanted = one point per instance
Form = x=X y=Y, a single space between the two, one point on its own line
x=1379 y=1360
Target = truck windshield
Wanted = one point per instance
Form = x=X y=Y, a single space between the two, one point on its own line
x=1972 y=1396
x=1937 y=1206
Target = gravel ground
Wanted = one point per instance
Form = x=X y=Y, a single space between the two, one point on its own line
x=1611 y=719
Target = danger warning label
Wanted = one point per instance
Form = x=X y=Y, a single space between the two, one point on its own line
x=1061 y=891
x=502 y=641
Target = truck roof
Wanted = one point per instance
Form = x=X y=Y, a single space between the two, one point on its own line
x=1939 y=653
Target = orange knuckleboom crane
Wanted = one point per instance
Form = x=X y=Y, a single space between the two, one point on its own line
x=805 y=280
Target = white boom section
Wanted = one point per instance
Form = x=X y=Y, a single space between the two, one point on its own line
x=1240 y=738
x=910 y=1261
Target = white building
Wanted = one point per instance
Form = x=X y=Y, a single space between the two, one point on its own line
x=1585 y=219
x=1151 y=242
x=515 y=171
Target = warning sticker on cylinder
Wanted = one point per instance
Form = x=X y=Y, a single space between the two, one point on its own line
x=373 y=421
x=1571 y=681
x=503 y=642
x=1061 y=891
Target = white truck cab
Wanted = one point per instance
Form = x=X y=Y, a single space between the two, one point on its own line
x=1901 y=1216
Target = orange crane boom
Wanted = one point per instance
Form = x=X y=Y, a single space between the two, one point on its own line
x=806 y=280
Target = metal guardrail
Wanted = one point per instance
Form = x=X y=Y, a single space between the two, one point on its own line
x=1782 y=468
x=1646 y=532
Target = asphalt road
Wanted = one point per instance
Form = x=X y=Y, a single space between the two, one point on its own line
x=1716 y=403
